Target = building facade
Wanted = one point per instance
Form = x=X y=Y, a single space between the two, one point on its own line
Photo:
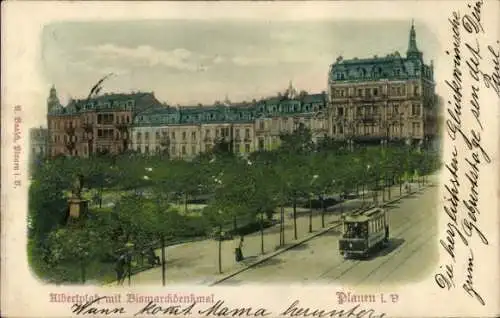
x=96 y=125
x=184 y=132
x=383 y=98
x=377 y=99
x=38 y=142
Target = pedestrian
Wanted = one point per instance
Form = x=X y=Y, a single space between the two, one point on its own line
x=238 y=249
x=120 y=269
x=153 y=258
x=386 y=238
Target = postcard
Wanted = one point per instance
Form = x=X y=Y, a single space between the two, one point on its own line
x=250 y=159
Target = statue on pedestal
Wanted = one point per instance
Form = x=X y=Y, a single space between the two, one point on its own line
x=77 y=205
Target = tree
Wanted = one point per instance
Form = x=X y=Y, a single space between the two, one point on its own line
x=322 y=164
x=297 y=142
x=260 y=197
x=77 y=244
x=162 y=222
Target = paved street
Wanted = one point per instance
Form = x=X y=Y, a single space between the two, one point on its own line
x=411 y=253
x=197 y=262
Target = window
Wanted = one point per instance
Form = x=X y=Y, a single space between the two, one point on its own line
x=360 y=92
x=173 y=135
x=183 y=135
x=416 y=128
x=247 y=133
x=183 y=150
x=146 y=149
x=415 y=109
x=261 y=143
x=172 y=150
x=207 y=133
x=193 y=135
x=193 y=149
x=375 y=92
x=367 y=92
x=396 y=109
x=261 y=124
x=146 y=135
x=237 y=133
x=105 y=119
x=340 y=111
x=157 y=135
x=247 y=147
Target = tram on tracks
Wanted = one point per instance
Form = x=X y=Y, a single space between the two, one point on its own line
x=363 y=232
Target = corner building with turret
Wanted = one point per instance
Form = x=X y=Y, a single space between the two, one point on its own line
x=383 y=99
x=373 y=100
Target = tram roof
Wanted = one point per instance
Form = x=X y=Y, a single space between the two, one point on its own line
x=363 y=216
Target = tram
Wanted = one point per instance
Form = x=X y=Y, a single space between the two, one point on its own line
x=363 y=232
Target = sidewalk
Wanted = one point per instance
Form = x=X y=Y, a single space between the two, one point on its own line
x=197 y=262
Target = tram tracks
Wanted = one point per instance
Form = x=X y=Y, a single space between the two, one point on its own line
x=345 y=266
x=415 y=240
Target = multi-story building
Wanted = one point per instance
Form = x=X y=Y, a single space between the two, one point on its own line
x=97 y=125
x=383 y=98
x=38 y=142
x=184 y=132
x=373 y=99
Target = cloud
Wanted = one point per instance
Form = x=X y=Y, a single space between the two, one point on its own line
x=179 y=58
x=86 y=66
x=247 y=60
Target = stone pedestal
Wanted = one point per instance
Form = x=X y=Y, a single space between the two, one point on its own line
x=77 y=207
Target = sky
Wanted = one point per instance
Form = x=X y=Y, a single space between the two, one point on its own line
x=200 y=61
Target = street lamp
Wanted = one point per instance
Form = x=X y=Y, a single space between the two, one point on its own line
x=261 y=214
x=217 y=179
x=310 y=203
x=220 y=242
x=367 y=173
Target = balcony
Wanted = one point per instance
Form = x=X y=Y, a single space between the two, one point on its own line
x=70 y=145
x=368 y=118
x=70 y=130
x=88 y=127
x=121 y=126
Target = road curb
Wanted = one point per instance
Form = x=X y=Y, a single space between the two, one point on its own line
x=308 y=238
x=275 y=253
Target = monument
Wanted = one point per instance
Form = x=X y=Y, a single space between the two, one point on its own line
x=77 y=205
